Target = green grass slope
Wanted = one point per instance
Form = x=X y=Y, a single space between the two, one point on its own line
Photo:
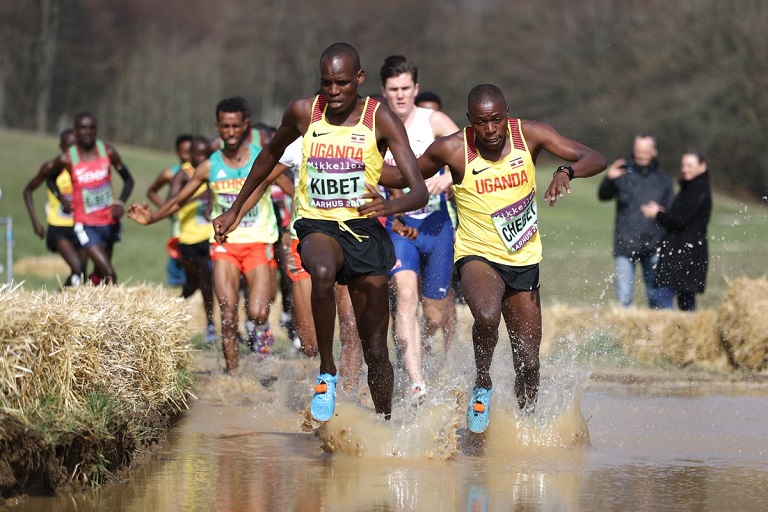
x=577 y=232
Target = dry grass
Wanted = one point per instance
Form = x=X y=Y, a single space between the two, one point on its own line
x=743 y=322
x=735 y=336
x=51 y=265
x=128 y=343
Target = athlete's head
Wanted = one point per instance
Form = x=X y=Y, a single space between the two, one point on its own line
x=233 y=118
x=429 y=99
x=183 y=147
x=488 y=114
x=85 y=129
x=399 y=84
x=340 y=76
x=67 y=138
x=200 y=150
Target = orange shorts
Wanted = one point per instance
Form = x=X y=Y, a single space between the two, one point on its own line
x=294 y=267
x=246 y=257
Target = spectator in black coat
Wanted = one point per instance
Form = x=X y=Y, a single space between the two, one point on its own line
x=684 y=256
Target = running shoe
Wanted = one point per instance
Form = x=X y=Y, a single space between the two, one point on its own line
x=210 y=333
x=479 y=411
x=324 y=401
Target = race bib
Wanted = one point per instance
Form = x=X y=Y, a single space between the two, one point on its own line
x=335 y=182
x=517 y=223
x=97 y=198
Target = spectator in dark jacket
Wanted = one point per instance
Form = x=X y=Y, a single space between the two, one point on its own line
x=633 y=182
x=684 y=257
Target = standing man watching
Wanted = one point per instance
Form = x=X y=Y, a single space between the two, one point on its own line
x=633 y=182
x=344 y=138
x=96 y=213
x=427 y=258
x=498 y=248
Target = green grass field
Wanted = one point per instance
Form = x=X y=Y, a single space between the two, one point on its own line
x=577 y=233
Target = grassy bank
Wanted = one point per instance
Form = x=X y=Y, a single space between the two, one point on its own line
x=87 y=377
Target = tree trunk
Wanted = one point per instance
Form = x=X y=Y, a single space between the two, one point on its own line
x=50 y=17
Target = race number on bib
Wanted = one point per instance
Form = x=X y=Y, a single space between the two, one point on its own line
x=517 y=223
x=97 y=198
x=335 y=182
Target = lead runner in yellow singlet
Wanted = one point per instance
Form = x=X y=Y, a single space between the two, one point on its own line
x=498 y=247
x=344 y=139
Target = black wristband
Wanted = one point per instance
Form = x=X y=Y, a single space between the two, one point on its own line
x=566 y=169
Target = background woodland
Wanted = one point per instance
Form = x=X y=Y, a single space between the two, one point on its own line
x=693 y=72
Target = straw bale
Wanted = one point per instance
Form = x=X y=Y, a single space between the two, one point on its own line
x=130 y=342
x=639 y=332
x=568 y=325
x=743 y=320
x=692 y=339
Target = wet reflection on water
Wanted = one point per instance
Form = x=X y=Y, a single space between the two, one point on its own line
x=241 y=447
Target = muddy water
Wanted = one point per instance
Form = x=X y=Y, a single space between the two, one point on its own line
x=661 y=442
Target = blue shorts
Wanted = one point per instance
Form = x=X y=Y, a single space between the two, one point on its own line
x=105 y=236
x=429 y=255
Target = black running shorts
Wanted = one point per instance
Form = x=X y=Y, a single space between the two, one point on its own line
x=372 y=255
x=57 y=233
x=515 y=279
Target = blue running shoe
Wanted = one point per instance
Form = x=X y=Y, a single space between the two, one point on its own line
x=324 y=401
x=479 y=412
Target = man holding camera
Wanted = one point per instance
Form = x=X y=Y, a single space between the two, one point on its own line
x=633 y=182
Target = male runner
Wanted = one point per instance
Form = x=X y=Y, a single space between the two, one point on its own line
x=61 y=236
x=498 y=248
x=428 y=255
x=344 y=138
x=96 y=213
x=183 y=148
x=249 y=250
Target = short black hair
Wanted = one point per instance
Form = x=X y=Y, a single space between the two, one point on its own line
x=82 y=115
x=429 y=96
x=485 y=93
x=339 y=49
x=396 y=65
x=235 y=104
x=181 y=139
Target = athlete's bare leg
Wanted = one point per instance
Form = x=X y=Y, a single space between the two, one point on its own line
x=261 y=287
x=522 y=314
x=439 y=315
x=101 y=258
x=322 y=257
x=483 y=290
x=199 y=277
x=370 y=300
x=74 y=258
x=351 y=357
x=226 y=279
x=407 y=328
x=302 y=316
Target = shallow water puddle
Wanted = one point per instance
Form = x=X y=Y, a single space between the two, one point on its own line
x=241 y=447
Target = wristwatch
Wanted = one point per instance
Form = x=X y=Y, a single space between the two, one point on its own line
x=565 y=168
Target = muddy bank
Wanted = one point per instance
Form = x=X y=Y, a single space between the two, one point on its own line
x=73 y=460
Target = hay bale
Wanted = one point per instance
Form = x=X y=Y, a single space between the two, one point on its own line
x=564 y=325
x=129 y=342
x=635 y=329
x=743 y=320
x=692 y=339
